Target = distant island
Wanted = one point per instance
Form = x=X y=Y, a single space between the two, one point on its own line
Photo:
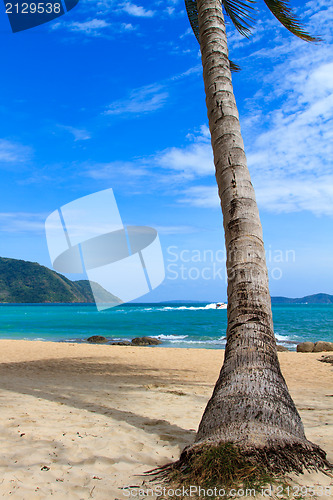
x=29 y=282
x=318 y=298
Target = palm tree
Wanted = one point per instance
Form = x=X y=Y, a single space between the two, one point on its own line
x=250 y=406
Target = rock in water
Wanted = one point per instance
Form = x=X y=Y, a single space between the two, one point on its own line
x=122 y=342
x=305 y=347
x=97 y=339
x=323 y=346
x=145 y=341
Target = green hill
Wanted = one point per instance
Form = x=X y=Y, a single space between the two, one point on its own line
x=29 y=282
x=318 y=298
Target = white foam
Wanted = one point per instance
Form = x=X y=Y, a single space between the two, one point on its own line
x=282 y=337
x=204 y=342
x=189 y=308
x=170 y=337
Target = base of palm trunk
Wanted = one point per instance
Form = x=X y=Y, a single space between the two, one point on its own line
x=226 y=465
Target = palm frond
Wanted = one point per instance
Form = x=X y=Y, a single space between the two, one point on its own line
x=234 y=67
x=192 y=13
x=239 y=13
x=237 y=10
x=283 y=13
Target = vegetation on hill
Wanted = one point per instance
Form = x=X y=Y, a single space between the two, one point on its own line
x=29 y=282
x=318 y=298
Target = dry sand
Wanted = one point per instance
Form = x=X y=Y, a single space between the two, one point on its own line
x=82 y=421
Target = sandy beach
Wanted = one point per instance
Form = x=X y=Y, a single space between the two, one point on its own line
x=83 y=421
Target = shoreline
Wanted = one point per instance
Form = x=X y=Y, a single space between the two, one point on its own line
x=163 y=345
x=287 y=345
x=83 y=420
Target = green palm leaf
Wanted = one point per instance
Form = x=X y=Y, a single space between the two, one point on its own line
x=237 y=10
x=239 y=13
x=192 y=13
x=283 y=13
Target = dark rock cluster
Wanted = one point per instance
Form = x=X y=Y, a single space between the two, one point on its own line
x=142 y=341
x=319 y=346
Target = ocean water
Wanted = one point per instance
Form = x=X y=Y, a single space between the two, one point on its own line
x=177 y=325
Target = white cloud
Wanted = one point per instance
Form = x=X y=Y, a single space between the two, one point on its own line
x=173 y=166
x=170 y=10
x=175 y=229
x=128 y=27
x=290 y=161
x=193 y=161
x=287 y=125
x=29 y=222
x=194 y=70
x=115 y=170
x=78 y=133
x=142 y=100
x=283 y=194
x=93 y=27
x=22 y=222
x=12 y=152
x=188 y=32
x=200 y=196
x=290 y=158
x=150 y=97
x=136 y=10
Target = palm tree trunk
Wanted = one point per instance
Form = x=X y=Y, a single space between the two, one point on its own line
x=250 y=405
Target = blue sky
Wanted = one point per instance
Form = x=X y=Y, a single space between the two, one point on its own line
x=111 y=96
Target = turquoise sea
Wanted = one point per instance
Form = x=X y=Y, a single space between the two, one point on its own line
x=177 y=325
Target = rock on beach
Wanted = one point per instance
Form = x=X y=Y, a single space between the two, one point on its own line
x=138 y=341
x=323 y=346
x=305 y=347
x=97 y=339
x=319 y=346
x=146 y=341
